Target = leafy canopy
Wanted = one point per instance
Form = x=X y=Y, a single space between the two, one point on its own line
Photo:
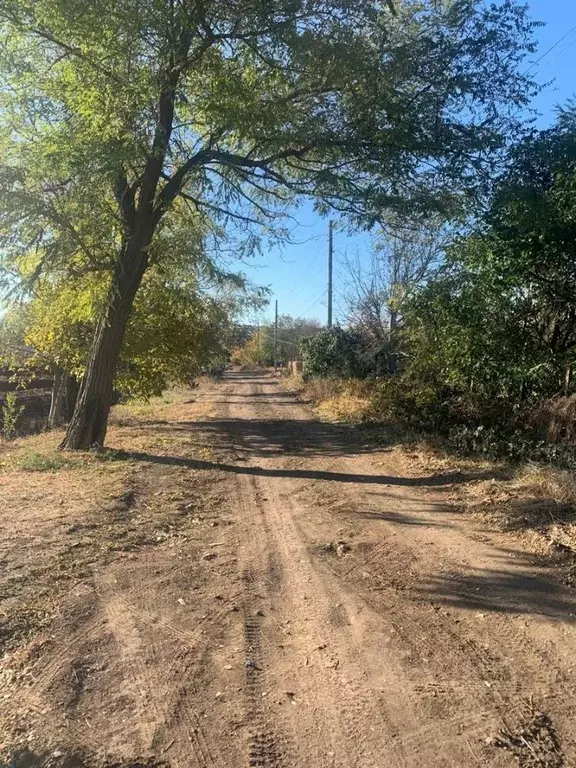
x=177 y=327
x=115 y=108
x=499 y=323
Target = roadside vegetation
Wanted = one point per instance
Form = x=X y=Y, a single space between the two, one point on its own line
x=465 y=341
x=459 y=327
x=472 y=336
x=138 y=155
x=148 y=150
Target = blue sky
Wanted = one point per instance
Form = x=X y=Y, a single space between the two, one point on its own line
x=297 y=273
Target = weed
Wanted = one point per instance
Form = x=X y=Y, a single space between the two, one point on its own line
x=11 y=412
x=31 y=461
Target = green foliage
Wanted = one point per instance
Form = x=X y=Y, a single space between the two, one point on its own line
x=487 y=343
x=176 y=328
x=492 y=334
x=32 y=461
x=334 y=353
x=510 y=443
x=61 y=318
x=239 y=107
x=498 y=326
x=11 y=412
x=12 y=333
x=250 y=353
x=126 y=125
x=260 y=347
x=396 y=401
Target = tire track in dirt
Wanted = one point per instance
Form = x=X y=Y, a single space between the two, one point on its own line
x=330 y=737
x=295 y=656
x=175 y=722
x=488 y=689
x=360 y=707
x=269 y=746
x=59 y=670
x=482 y=686
x=501 y=684
x=134 y=658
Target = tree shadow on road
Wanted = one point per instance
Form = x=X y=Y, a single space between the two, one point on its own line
x=299 y=438
x=521 y=586
x=302 y=474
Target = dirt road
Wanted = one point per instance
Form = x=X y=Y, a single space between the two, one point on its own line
x=331 y=609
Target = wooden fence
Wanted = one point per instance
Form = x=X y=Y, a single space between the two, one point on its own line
x=34 y=397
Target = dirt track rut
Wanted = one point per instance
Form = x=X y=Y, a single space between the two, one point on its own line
x=414 y=647
x=340 y=614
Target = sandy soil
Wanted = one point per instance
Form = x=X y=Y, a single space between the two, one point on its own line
x=288 y=595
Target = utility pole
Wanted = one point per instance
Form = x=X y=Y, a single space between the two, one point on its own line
x=258 y=339
x=276 y=338
x=330 y=260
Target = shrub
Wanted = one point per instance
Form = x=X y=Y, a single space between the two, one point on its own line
x=334 y=353
x=11 y=412
x=396 y=400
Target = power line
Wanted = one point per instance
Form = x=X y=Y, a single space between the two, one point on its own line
x=550 y=61
x=315 y=302
x=551 y=48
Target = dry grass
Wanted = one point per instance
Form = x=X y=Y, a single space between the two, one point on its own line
x=538 y=503
x=61 y=513
x=533 y=741
x=346 y=400
x=557 y=419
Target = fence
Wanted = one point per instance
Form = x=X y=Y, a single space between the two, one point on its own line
x=35 y=398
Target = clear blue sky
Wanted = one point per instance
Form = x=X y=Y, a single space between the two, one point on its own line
x=297 y=273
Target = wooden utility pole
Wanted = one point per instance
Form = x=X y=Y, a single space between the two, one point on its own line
x=258 y=339
x=330 y=267
x=276 y=338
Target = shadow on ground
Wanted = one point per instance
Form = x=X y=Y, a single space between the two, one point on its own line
x=270 y=436
x=299 y=474
x=521 y=586
x=24 y=758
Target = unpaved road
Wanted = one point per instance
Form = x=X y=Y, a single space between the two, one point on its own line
x=332 y=610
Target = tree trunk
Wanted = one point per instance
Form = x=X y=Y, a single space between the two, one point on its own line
x=87 y=428
x=72 y=390
x=393 y=357
x=59 y=390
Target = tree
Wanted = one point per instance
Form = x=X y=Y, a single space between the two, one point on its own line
x=13 y=348
x=404 y=257
x=250 y=352
x=291 y=333
x=117 y=109
x=176 y=328
x=180 y=324
x=334 y=353
x=260 y=347
x=497 y=327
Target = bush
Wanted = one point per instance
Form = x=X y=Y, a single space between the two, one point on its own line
x=11 y=412
x=395 y=400
x=517 y=445
x=334 y=353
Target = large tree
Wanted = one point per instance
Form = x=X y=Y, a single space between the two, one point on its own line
x=497 y=327
x=113 y=110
